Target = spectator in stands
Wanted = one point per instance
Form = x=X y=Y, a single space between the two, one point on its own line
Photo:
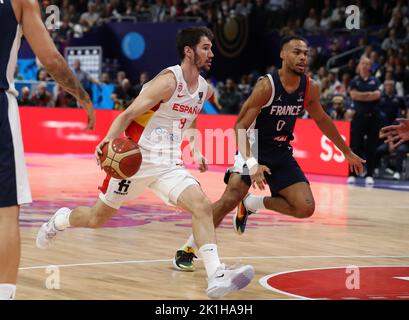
x=176 y=10
x=325 y=22
x=398 y=87
x=84 y=77
x=338 y=14
x=366 y=122
x=244 y=86
x=24 y=97
x=390 y=41
x=229 y=98
x=17 y=75
x=391 y=105
x=72 y=14
x=349 y=69
x=399 y=153
x=105 y=78
x=334 y=84
x=123 y=95
x=311 y=22
x=91 y=16
x=338 y=111
x=143 y=78
x=120 y=76
x=243 y=7
x=64 y=99
x=42 y=75
x=64 y=32
x=375 y=65
x=41 y=97
x=158 y=11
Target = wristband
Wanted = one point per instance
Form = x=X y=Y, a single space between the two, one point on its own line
x=251 y=163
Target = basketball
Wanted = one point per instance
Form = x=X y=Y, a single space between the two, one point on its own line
x=121 y=158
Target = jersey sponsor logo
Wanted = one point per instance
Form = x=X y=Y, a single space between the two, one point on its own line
x=281 y=138
x=185 y=109
x=181 y=95
x=286 y=110
x=279 y=98
x=123 y=186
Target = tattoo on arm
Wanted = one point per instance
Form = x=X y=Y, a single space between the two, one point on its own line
x=66 y=79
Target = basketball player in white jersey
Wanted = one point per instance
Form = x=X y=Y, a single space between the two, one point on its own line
x=19 y=17
x=165 y=108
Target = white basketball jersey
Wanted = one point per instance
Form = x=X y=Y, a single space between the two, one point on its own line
x=163 y=134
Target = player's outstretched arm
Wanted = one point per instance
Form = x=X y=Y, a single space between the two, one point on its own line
x=397 y=133
x=160 y=89
x=251 y=108
x=44 y=48
x=324 y=122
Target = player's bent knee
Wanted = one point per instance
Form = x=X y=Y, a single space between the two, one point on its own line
x=305 y=210
x=203 y=208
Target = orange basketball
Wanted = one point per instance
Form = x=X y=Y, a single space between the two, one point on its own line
x=121 y=158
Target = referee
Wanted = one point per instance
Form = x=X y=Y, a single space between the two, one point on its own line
x=365 y=94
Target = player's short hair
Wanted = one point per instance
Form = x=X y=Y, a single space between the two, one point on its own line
x=191 y=37
x=287 y=39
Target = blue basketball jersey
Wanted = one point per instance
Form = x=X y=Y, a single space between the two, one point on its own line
x=9 y=45
x=276 y=121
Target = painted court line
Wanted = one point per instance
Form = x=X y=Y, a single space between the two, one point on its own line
x=223 y=258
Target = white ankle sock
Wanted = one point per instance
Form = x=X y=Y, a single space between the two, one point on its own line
x=210 y=258
x=62 y=221
x=7 y=291
x=254 y=203
x=189 y=243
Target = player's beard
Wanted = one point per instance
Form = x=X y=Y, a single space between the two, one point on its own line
x=196 y=62
x=294 y=70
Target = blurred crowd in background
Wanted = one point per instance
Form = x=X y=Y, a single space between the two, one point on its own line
x=385 y=21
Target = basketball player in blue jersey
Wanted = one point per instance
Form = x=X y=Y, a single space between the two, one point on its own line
x=266 y=157
x=19 y=17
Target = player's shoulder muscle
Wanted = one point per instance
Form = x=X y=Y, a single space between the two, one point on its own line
x=262 y=92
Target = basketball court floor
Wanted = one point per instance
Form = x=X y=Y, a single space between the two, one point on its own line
x=354 y=247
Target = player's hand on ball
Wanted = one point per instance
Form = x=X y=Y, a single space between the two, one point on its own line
x=355 y=162
x=258 y=177
x=98 y=150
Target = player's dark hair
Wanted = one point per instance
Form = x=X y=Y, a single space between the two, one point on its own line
x=191 y=37
x=287 y=39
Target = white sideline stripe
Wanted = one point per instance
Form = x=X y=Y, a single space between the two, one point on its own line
x=223 y=258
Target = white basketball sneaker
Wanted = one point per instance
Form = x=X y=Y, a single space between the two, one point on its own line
x=48 y=231
x=226 y=280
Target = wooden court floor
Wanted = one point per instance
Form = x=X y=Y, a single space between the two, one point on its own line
x=356 y=246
